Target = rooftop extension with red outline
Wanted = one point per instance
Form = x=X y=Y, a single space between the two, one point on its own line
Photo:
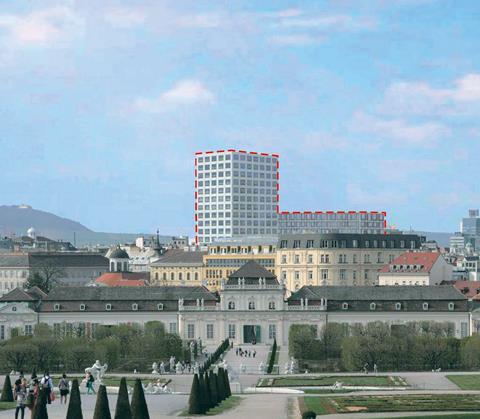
x=230 y=150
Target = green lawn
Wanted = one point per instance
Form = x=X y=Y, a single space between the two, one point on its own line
x=230 y=403
x=466 y=382
x=392 y=403
x=7 y=405
x=362 y=380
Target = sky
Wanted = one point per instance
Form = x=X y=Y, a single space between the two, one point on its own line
x=372 y=105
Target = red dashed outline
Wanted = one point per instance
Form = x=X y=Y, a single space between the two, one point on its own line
x=277 y=156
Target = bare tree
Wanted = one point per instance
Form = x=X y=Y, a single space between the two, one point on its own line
x=45 y=274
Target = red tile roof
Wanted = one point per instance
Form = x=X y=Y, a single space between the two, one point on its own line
x=468 y=288
x=122 y=279
x=406 y=262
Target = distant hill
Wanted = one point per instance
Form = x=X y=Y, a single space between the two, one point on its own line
x=17 y=219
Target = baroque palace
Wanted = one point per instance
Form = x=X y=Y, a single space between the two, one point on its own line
x=251 y=306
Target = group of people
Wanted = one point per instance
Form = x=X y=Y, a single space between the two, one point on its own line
x=245 y=353
x=26 y=392
x=366 y=366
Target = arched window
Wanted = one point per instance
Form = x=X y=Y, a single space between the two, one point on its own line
x=156 y=276
x=180 y=276
x=188 y=276
x=231 y=305
x=172 y=276
x=271 y=305
x=164 y=276
x=196 y=276
x=251 y=305
x=112 y=266
x=373 y=306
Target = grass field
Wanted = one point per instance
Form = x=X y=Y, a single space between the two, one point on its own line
x=7 y=405
x=454 y=416
x=362 y=380
x=466 y=382
x=227 y=404
x=394 y=403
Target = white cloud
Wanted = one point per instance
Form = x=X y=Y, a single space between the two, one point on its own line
x=125 y=18
x=201 y=20
x=324 y=141
x=183 y=93
x=399 y=131
x=40 y=27
x=336 y=23
x=295 y=39
x=365 y=197
x=420 y=98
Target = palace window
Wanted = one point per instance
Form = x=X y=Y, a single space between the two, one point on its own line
x=310 y=259
x=210 y=331
x=398 y=306
x=425 y=306
x=231 y=331
x=251 y=305
x=82 y=307
x=344 y=306
x=451 y=306
x=271 y=305
x=28 y=330
x=134 y=306
x=272 y=331
x=190 y=331
x=373 y=306
x=56 y=307
x=108 y=307
x=324 y=273
x=231 y=305
x=160 y=306
x=173 y=327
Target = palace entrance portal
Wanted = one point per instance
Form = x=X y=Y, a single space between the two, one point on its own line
x=251 y=334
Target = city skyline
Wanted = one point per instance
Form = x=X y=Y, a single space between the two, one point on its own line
x=397 y=132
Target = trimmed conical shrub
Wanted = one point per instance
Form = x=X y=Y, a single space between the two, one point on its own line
x=220 y=385
x=204 y=399
x=102 y=410
x=40 y=410
x=227 y=383
x=309 y=414
x=194 y=403
x=7 y=393
x=208 y=403
x=75 y=404
x=122 y=410
x=138 y=405
x=213 y=390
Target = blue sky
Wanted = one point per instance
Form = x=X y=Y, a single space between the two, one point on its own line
x=371 y=105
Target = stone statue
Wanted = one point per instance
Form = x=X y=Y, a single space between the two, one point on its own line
x=97 y=370
x=172 y=364
x=196 y=368
x=179 y=368
x=162 y=368
x=154 y=368
x=287 y=368
x=261 y=368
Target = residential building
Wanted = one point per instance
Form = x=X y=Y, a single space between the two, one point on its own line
x=224 y=258
x=416 y=268
x=250 y=307
x=236 y=194
x=323 y=222
x=178 y=267
x=471 y=265
x=64 y=267
x=338 y=259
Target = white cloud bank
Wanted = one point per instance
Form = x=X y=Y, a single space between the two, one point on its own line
x=183 y=93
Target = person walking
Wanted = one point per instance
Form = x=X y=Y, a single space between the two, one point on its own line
x=64 y=388
x=47 y=385
x=90 y=381
x=33 y=392
x=20 y=393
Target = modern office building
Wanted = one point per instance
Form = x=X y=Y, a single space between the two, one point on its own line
x=323 y=222
x=236 y=194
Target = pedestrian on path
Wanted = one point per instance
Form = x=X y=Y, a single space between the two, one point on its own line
x=20 y=393
x=90 y=381
x=64 y=388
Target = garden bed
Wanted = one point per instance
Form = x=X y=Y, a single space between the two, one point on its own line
x=315 y=381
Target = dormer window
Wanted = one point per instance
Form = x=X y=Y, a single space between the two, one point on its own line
x=82 y=307
x=14 y=308
x=344 y=306
x=425 y=306
x=134 y=306
x=451 y=306
x=373 y=306
x=398 y=306
x=108 y=307
x=56 y=307
x=231 y=305
x=160 y=306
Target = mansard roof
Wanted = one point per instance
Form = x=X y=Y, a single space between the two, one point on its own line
x=251 y=272
x=109 y=294
x=378 y=293
x=20 y=295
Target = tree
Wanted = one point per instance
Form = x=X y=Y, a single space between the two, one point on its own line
x=122 y=410
x=227 y=383
x=102 y=410
x=45 y=274
x=75 y=404
x=194 y=401
x=7 y=393
x=213 y=389
x=18 y=356
x=40 y=409
x=470 y=352
x=138 y=405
